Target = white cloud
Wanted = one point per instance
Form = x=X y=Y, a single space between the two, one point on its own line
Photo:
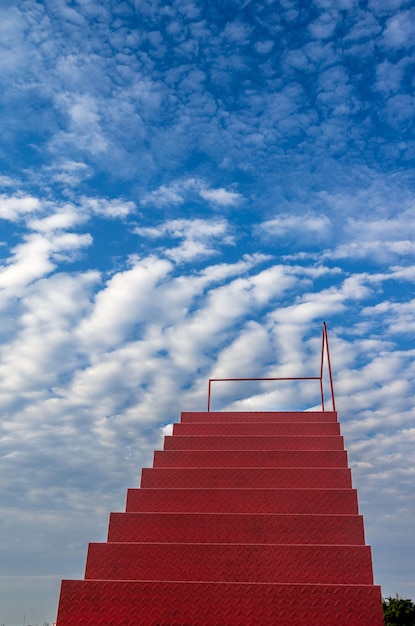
x=163 y=196
x=381 y=251
x=109 y=208
x=125 y=302
x=291 y=225
x=383 y=229
x=400 y=30
x=390 y=75
x=324 y=26
x=237 y=32
x=179 y=191
x=399 y=317
x=400 y=109
x=264 y=47
x=200 y=238
x=13 y=207
x=68 y=173
x=221 y=196
x=85 y=129
x=182 y=228
x=38 y=255
x=7 y=181
x=404 y=273
x=64 y=218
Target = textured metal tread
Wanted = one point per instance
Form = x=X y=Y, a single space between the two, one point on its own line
x=259 y=502
x=266 y=429
x=110 y=603
x=326 y=501
x=241 y=528
x=258 y=416
x=250 y=458
x=254 y=478
x=207 y=442
x=221 y=562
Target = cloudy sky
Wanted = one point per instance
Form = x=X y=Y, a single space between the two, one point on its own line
x=188 y=189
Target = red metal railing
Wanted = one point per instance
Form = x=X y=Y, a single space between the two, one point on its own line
x=325 y=353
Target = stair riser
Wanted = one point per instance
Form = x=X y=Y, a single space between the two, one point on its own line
x=230 y=563
x=291 y=501
x=307 y=478
x=252 y=443
x=258 y=416
x=224 y=528
x=260 y=502
x=109 y=603
x=251 y=458
x=258 y=429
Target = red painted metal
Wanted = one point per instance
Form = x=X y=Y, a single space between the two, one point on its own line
x=221 y=562
x=250 y=458
x=258 y=429
x=230 y=529
x=324 y=351
x=246 y=478
x=228 y=500
x=327 y=352
x=165 y=603
x=236 y=528
x=239 y=417
x=255 y=442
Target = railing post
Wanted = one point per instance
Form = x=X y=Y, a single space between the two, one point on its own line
x=324 y=350
x=333 y=402
x=208 y=408
x=322 y=368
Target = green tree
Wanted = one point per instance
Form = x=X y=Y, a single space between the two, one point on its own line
x=398 y=612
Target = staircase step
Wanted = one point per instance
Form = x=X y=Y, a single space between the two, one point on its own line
x=177 y=442
x=258 y=428
x=305 y=501
x=244 y=519
x=131 y=603
x=240 y=528
x=312 y=564
x=258 y=416
x=307 y=478
x=250 y=458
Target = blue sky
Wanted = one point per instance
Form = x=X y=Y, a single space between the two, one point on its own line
x=187 y=190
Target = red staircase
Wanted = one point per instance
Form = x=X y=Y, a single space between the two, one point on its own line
x=244 y=519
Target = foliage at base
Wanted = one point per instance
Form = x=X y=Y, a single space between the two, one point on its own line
x=398 y=612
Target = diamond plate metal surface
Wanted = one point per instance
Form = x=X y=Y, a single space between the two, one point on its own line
x=314 y=501
x=250 y=458
x=306 y=478
x=110 y=603
x=177 y=442
x=258 y=416
x=255 y=512
x=314 y=564
x=239 y=528
x=258 y=429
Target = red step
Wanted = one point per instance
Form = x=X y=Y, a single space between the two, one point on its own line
x=258 y=416
x=132 y=603
x=177 y=442
x=244 y=518
x=236 y=528
x=258 y=428
x=250 y=458
x=306 y=501
x=230 y=477
x=312 y=564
